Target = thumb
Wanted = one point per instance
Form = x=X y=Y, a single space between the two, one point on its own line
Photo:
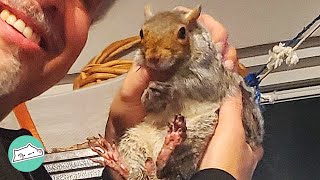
x=136 y=82
x=230 y=115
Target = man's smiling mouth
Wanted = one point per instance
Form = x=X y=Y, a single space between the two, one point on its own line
x=19 y=25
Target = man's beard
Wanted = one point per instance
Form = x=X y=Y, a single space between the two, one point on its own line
x=9 y=70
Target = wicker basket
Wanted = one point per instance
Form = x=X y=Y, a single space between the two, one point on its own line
x=108 y=64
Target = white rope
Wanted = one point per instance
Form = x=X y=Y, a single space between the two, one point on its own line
x=281 y=53
x=271 y=98
x=278 y=55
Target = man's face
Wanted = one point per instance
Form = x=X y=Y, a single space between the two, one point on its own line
x=39 y=41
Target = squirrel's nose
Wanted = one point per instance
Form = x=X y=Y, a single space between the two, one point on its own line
x=154 y=60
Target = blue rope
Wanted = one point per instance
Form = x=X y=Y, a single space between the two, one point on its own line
x=252 y=79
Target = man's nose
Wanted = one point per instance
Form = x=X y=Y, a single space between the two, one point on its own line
x=52 y=8
x=53 y=3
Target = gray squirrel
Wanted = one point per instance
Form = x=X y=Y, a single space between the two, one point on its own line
x=173 y=42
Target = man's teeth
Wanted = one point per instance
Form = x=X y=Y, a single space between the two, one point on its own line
x=19 y=25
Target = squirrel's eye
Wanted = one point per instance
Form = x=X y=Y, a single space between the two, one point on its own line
x=182 y=33
x=141 y=34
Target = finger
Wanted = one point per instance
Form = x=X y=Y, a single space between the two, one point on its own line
x=230 y=58
x=136 y=81
x=231 y=54
x=230 y=116
x=215 y=28
x=229 y=64
x=242 y=70
x=220 y=38
x=258 y=152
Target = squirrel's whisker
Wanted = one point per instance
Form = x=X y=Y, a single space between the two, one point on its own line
x=138 y=68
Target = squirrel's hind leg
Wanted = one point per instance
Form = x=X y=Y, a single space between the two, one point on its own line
x=175 y=137
x=111 y=156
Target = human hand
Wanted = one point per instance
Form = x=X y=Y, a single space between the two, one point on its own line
x=228 y=149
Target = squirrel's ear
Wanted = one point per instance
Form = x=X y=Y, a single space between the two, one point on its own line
x=194 y=14
x=147 y=12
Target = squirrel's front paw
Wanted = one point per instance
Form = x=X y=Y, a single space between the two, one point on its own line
x=156 y=97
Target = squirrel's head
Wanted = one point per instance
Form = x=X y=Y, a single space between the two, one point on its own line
x=165 y=37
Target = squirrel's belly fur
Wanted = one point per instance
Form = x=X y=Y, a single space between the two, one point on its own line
x=146 y=140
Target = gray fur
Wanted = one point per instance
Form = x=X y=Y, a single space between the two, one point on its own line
x=198 y=88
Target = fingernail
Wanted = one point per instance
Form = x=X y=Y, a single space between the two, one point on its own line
x=228 y=64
